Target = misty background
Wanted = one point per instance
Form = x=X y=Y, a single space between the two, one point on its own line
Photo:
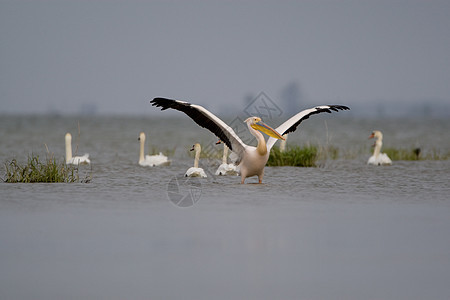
x=382 y=58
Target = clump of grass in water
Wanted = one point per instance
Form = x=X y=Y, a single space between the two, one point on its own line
x=36 y=170
x=294 y=156
x=413 y=154
x=402 y=154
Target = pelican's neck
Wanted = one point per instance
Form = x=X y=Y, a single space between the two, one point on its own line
x=378 y=144
x=197 y=156
x=68 y=148
x=141 y=151
x=261 y=148
x=225 y=154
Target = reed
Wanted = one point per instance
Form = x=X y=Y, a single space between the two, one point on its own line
x=328 y=152
x=294 y=156
x=36 y=170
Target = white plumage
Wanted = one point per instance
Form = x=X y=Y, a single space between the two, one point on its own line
x=378 y=158
x=225 y=168
x=150 y=160
x=195 y=171
x=76 y=160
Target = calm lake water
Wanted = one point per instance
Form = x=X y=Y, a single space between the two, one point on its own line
x=343 y=230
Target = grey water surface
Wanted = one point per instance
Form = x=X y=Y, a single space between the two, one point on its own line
x=343 y=230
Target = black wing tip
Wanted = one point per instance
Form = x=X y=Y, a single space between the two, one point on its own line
x=333 y=107
x=159 y=101
x=166 y=103
x=338 y=107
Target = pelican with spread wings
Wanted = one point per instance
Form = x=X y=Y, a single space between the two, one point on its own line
x=250 y=160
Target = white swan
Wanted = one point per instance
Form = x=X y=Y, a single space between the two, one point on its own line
x=151 y=160
x=77 y=160
x=378 y=158
x=225 y=168
x=195 y=171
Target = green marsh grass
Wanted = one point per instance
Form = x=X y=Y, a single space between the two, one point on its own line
x=414 y=154
x=37 y=170
x=294 y=156
x=316 y=156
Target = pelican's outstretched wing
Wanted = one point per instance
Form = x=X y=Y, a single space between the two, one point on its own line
x=291 y=124
x=205 y=119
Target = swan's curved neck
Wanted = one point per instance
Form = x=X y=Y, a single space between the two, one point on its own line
x=141 y=151
x=197 y=157
x=225 y=154
x=68 y=149
x=261 y=148
x=377 y=149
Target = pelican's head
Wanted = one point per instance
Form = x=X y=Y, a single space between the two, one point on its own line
x=196 y=147
x=376 y=134
x=141 y=136
x=68 y=137
x=257 y=124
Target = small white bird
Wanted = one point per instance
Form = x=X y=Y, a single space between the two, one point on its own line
x=283 y=143
x=77 y=160
x=195 y=171
x=151 y=160
x=378 y=158
x=226 y=168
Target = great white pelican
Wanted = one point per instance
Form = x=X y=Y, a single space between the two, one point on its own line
x=250 y=160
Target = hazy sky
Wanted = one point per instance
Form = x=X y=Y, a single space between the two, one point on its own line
x=62 y=55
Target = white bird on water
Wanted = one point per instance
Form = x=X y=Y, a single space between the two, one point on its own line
x=195 y=171
x=283 y=143
x=378 y=158
x=225 y=168
x=250 y=160
x=151 y=160
x=77 y=160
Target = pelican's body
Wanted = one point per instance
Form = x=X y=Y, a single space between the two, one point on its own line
x=378 y=158
x=225 y=168
x=249 y=159
x=254 y=158
x=195 y=171
x=150 y=160
x=75 y=160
